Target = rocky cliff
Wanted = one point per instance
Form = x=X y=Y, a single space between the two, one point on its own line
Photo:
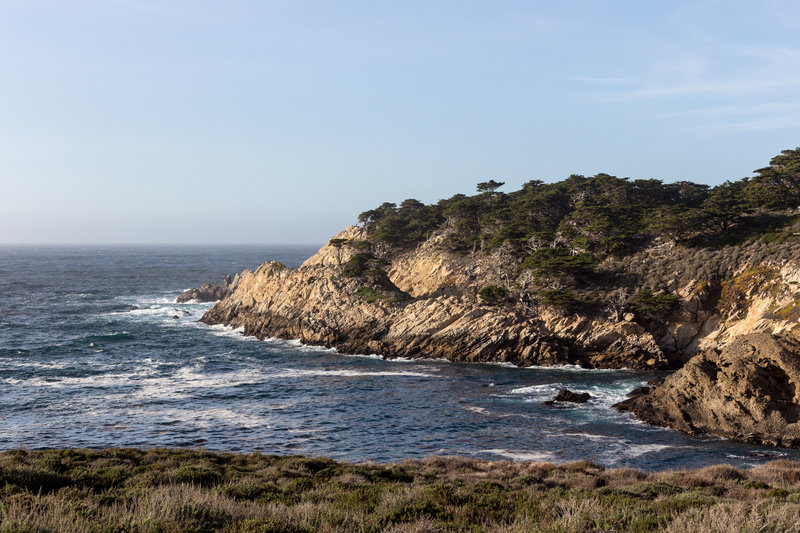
x=426 y=302
x=747 y=392
x=604 y=272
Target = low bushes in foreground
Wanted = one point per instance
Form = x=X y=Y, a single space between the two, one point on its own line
x=193 y=490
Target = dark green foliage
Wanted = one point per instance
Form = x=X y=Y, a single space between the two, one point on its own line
x=598 y=216
x=558 y=298
x=778 y=493
x=725 y=205
x=558 y=262
x=360 y=245
x=370 y=295
x=778 y=185
x=356 y=265
x=393 y=474
x=337 y=242
x=194 y=474
x=490 y=186
x=493 y=295
x=262 y=493
x=656 y=305
x=412 y=222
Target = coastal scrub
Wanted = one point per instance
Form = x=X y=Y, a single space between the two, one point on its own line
x=129 y=490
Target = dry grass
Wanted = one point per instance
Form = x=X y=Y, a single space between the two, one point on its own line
x=124 y=490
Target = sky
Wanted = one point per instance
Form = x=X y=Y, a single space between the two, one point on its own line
x=267 y=122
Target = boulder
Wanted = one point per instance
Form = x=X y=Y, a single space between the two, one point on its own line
x=565 y=395
x=747 y=392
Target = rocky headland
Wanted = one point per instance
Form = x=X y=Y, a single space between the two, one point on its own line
x=210 y=293
x=601 y=272
x=746 y=392
x=425 y=303
x=428 y=303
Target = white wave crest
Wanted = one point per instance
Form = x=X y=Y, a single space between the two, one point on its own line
x=536 y=456
x=590 y=436
x=637 y=450
x=548 y=389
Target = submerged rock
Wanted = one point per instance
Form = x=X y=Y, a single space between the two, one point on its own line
x=565 y=395
x=747 y=392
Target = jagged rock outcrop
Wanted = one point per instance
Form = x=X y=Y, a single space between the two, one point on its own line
x=567 y=396
x=747 y=392
x=426 y=304
x=362 y=297
x=210 y=293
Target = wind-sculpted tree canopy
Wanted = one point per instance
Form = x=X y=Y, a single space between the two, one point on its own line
x=588 y=218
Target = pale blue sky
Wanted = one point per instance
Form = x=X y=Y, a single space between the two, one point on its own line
x=144 y=121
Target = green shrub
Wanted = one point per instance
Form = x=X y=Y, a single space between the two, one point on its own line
x=558 y=298
x=370 y=295
x=654 y=304
x=558 y=262
x=778 y=493
x=493 y=295
x=356 y=265
x=194 y=474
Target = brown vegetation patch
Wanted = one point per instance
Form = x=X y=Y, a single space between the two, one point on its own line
x=129 y=490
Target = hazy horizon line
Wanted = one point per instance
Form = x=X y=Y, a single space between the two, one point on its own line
x=137 y=244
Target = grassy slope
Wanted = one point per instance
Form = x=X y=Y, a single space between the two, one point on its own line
x=193 y=490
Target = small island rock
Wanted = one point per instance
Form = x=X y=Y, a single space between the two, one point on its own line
x=565 y=395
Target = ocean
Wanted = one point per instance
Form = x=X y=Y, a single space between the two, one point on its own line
x=94 y=352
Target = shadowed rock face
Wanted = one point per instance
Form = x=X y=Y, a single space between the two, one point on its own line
x=747 y=392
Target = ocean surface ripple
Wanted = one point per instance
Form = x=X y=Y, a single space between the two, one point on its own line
x=94 y=352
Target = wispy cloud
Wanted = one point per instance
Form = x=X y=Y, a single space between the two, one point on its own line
x=772 y=69
x=609 y=81
x=740 y=110
x=741 y=118
x=147 y=7
x=759 y=124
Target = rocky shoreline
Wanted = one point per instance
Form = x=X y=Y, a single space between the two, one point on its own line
x=747 y=392
x=425 y=306
x=427 y=303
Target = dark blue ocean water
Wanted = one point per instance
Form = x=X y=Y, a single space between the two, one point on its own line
x=78 y=368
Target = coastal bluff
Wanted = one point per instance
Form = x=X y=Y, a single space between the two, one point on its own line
x=600 y=272
x=424 y=303
x=428 y=303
